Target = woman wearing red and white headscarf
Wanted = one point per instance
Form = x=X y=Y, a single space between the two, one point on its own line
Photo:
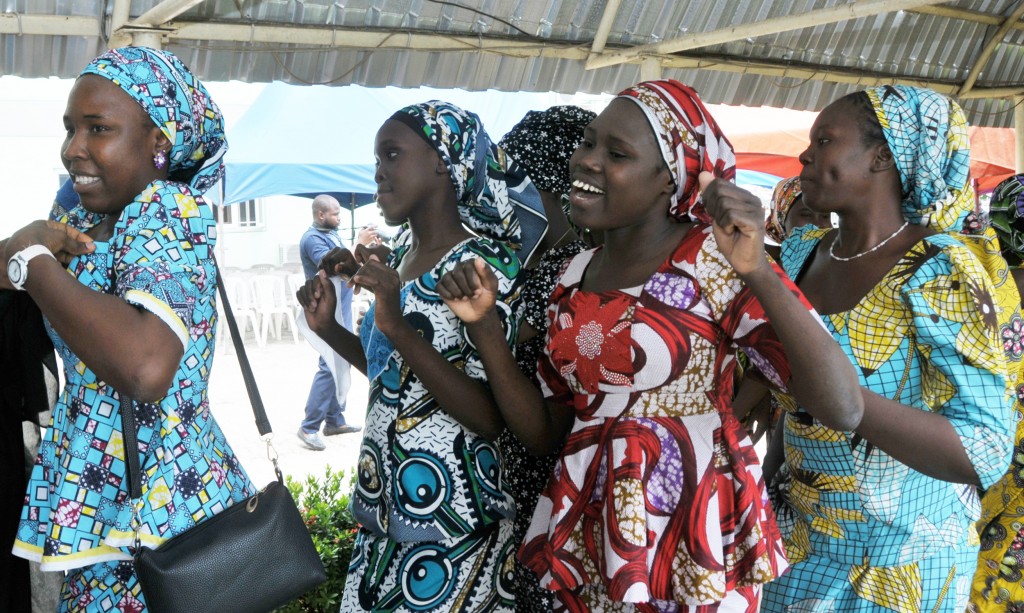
x=656 y=502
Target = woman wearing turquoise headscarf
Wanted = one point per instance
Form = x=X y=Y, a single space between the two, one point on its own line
x=134 y=317
x=435 y=511
x=883 y=518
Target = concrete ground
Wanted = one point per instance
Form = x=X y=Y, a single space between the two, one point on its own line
x=284 y=371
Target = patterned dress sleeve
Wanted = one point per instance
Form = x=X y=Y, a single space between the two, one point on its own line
x=963 y=365
x=162 y=257
x=505 y=266
x=742 y=316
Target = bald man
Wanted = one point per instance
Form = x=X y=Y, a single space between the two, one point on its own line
x=322 y=405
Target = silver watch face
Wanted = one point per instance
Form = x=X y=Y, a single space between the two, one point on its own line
x=16 y=272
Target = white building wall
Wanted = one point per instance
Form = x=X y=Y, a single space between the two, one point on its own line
x=276 y=240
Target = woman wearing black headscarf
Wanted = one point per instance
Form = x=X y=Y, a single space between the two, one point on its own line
x=542 y=142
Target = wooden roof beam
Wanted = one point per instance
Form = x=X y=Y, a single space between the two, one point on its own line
x=605 y=27
x=832 y=75
x=368 y=40
x=49 y=25
x=855 y=10
x=964 y=15
x=990 y=47
x=146 y=29
x=120 y=12
x=164 y=12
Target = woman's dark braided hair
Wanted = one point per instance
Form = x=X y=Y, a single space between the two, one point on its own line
x=870 y=128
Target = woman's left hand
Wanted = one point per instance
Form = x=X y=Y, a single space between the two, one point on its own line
x=383 y=281
x=738 y=223
x=63 y=241
x=470 y=290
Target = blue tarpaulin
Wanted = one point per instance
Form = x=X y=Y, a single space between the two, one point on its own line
x=310 y=140
x=297 y=140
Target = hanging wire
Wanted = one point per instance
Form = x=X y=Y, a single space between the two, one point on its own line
x=488 y=15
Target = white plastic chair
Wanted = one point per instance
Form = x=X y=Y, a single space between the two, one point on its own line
x=272 y=306
x=294 y=282
x=242 y=307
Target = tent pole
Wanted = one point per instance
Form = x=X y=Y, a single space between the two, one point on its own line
x=1018 y=130
x=352 y=214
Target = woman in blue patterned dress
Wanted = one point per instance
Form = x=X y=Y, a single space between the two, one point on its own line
x=435 y=511
x=882 y=518
x=135 y=316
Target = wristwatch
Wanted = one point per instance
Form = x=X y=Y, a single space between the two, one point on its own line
x=17 y=267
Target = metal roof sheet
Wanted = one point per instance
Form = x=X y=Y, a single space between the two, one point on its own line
x=542 y=45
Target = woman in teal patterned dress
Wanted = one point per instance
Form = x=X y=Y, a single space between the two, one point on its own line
x=435 y=512
x=882 y=518
x=135 y=316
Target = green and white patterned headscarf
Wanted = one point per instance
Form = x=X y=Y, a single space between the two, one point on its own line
x=496 y=197
x=1006 y=213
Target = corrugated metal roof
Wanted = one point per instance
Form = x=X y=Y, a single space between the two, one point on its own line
x=541 y=45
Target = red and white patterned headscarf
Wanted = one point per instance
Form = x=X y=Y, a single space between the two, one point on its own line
x=690 y=140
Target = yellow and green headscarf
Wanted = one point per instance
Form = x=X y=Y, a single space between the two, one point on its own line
x=786 y=193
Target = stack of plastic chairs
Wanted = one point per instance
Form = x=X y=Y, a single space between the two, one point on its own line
x=272 y=305
x=294 y=281
x=239 y=290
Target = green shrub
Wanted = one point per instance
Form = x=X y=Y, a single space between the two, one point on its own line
x=323 y=502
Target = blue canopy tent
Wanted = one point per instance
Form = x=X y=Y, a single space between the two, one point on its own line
x=298 y=140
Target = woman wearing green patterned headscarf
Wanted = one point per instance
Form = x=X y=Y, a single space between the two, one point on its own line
x=1006 y=214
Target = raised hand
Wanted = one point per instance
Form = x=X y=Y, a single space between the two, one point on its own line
x=363 y=253
x=367 y=236
x=385 y=284
x=339 y=262
x=319 y=302
x=470 y=290
x=738 y=223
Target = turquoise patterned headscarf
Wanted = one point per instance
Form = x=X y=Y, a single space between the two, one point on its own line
x=496 y=197
x=179 y=105
x=927 y=134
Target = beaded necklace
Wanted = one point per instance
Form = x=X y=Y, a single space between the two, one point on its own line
x=838 y=258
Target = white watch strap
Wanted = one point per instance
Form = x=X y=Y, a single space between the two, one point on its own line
x=24 y=256
x=32 y=251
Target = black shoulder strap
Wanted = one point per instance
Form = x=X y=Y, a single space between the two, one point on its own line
x=130 y=432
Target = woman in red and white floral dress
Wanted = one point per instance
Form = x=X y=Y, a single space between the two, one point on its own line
x=657 y=501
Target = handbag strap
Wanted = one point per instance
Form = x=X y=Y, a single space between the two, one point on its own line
x=130 y=433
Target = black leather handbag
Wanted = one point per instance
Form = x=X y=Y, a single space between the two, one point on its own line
x=254 y=556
